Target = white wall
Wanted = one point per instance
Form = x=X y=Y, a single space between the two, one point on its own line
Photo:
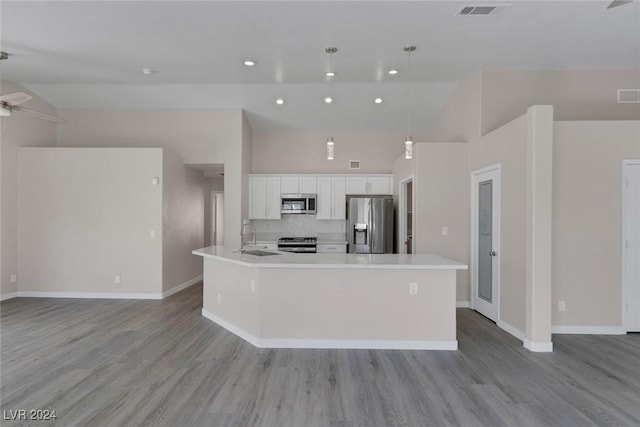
x=507 y=146
x=85 y=217
x=442 y=200
x=460 y=118
x=296 y=151
x=16 y=131
x=197 y=136
x=587 y=192
x=183 y=221
x=574 y=94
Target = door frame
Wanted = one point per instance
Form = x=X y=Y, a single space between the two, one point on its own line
x=626 y=164
x=402 y=215
x=476 y=178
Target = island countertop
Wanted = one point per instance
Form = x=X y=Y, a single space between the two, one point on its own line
x=331 y=260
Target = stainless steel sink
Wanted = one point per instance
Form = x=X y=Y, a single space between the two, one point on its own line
x=258 y=252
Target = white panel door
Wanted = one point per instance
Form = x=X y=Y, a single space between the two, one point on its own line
x=485 y=237
x=631 y=245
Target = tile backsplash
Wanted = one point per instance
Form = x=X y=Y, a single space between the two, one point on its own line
x=299 y=226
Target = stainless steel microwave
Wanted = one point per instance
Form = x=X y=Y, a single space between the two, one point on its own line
x=298 y=204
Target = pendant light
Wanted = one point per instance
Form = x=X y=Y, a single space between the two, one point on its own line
x=330 y=149
x=330 y=74
x=408 y=142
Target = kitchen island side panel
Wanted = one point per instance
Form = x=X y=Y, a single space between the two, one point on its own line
x=228 y=298
x=358 y=304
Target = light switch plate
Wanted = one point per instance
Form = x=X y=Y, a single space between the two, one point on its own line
x=445 y=231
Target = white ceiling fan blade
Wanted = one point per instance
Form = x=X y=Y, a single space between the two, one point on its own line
x=616 y=3
x=38 y=114
x=15 y=98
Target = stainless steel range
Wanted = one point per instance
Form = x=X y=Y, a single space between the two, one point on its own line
x=305 y=245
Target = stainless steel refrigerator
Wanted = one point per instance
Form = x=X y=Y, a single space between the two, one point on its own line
x=370 y=224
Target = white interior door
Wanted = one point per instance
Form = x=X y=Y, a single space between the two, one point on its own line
x=631 y=244
x=485 y=251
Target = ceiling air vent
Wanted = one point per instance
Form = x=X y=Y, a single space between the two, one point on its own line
x=483 y=9
x=354 y=164
x=628 y=96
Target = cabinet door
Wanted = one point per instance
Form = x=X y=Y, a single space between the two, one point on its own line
x=257 y=197
x=379 y=185
x=356 y=185
x=331 y=248
x=307 y=185
x=339 y=198
x=274 y=202
x=325 y=198
x=290 y=185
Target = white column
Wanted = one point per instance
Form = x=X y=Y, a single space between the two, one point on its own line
x=539 y=204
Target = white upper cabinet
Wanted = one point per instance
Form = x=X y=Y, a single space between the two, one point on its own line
x=331 y=198
x=308 y=185
x=264 y=200
x=374 y=184
x=299 y=185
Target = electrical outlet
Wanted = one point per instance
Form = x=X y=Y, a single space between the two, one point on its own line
x=562 y=306
x=445 y=231
x=152 y=234
x=13 y=278
x=116 y=280
x=413 y=288
x=252 y=285
x=219 y=298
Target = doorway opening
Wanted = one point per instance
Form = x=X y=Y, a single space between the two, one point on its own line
x=406 y=222
x=631 y=245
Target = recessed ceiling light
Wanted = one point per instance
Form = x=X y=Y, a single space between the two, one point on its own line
x=148 y=71
x=378 y=100
x=328 y=100
x=279 y=101
x=249 y=63
x=330 y=74
x=393 y=72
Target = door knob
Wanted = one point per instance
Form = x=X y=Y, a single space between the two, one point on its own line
x=492 y=253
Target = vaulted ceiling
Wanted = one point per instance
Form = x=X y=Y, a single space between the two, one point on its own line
x=90 y=54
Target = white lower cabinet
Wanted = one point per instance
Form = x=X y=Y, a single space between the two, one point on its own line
x=325 y=248
x=331 y=198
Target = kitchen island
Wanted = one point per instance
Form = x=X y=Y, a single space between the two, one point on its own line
x=333 y=300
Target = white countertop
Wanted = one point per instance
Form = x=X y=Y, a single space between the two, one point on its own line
x=331 y=260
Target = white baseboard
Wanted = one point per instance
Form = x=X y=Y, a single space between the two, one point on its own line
x=94 y=295
x=10 y=295
x=181 y=286
x=463 y=304
x=331 y=344
x=588 y=330
x=538 y=347
x=511 y=329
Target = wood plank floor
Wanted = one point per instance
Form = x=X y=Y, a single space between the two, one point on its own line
x=160 y=363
